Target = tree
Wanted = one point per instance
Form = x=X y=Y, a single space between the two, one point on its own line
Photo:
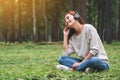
x=34 y=23
x=27 y=20
x=82 y=8
x=12 y=21
x=5 y=20
x=108 y=21
x=45 y=18
x=119 y=22
x=19 y=22
x=55 y=32
x=72 y=4
x=101 y=18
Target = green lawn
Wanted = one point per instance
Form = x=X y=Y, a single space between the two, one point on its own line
x=30 y=61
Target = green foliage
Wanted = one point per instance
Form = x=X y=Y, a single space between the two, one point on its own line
x=37 y=62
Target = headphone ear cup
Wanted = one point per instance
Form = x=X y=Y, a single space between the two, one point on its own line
x=76 y=16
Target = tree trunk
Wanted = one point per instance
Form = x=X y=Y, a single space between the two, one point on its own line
x=55 y=27
x=82 y=8
x=108 y=21
x=45 y=18
x=55 y=32
x=5 y=21
x=12 y=25
x=19 y=22
x=101 y=19
x=34 y=23
x=89 y=12
x=119 y=23
x=72 y=4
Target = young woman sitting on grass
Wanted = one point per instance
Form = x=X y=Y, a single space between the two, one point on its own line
x=82 y=39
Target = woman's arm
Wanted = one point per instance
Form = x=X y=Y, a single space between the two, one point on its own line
x=65 y=41
x=67 y=47
x=87 y=57
x=74 y=66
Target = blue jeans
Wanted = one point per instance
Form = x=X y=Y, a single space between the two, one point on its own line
x=92 y=62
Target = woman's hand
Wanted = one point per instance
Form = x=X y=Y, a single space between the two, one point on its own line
x=75 y=65
x=66 y=31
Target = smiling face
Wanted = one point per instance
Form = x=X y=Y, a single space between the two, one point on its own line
x=69 y=19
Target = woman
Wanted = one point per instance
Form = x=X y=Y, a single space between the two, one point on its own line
x=82 y=39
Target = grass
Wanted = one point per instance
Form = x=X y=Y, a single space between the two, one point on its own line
x=28 y=61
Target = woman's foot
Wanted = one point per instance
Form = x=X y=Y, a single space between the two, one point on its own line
x=62 y=67
x=90 y=70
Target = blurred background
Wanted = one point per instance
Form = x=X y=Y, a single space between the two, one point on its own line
x=43 y=20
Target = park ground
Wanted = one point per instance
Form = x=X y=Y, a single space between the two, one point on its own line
x=37 y=61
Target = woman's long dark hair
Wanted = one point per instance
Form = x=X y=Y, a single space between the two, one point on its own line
x=81 y=21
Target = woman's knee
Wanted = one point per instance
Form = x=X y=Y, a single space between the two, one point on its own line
x=61 y=58
x=94 y=59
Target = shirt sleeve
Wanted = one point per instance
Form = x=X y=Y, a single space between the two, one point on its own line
x=70 y=49
x=93 y=41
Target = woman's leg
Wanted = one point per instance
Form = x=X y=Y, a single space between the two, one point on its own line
x=68 y=61
x=93 y=62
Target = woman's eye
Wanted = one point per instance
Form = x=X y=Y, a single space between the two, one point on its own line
x=67 y=17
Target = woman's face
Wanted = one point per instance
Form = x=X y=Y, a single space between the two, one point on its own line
x=69 y=19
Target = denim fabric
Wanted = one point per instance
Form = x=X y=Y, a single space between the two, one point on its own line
x=92 y=62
